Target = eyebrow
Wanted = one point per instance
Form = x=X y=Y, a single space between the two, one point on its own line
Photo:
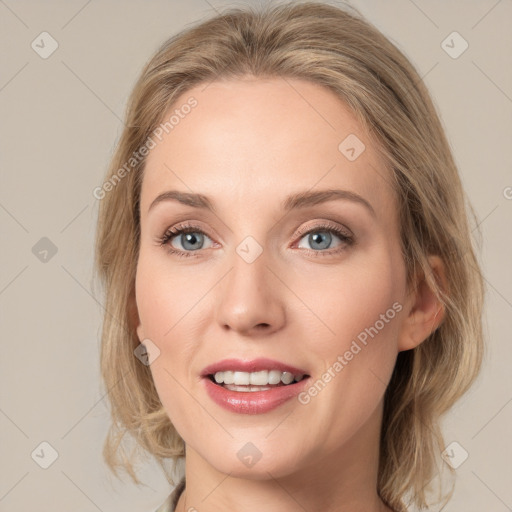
x=295 y=201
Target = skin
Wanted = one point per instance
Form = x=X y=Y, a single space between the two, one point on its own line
x=247 y=145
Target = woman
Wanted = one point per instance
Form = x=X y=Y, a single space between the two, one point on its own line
x=293 y=297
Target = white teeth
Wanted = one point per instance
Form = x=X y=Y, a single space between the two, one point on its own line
x=258 y=378
x=241 y=378
x=274 y=377
x=228 y=377
x=261 y=378
x=246 y=389
x=287 y=378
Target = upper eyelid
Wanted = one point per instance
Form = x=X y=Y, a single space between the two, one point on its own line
x=328 y=226
x=322 y=225
x=347 y=239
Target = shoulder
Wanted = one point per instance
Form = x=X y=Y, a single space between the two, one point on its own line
x=169 y=504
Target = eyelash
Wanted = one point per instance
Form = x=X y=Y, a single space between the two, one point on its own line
x=188 y=228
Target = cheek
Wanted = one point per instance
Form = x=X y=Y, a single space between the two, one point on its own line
x=347 y=302
x=361 y=308
x=166 y=295
x=172 y=302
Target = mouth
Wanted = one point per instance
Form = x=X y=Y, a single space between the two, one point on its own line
x=262 y=380
x=265 y=381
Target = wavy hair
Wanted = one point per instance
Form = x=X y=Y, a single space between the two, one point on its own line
x=340 y=50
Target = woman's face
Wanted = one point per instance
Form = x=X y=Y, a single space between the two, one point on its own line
x=317 y=285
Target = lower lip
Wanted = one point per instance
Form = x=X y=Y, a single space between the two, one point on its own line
x=252 y=402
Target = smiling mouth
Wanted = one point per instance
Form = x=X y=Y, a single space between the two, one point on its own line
x=255 y=381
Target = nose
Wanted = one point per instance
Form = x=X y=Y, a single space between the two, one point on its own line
x=250 y=298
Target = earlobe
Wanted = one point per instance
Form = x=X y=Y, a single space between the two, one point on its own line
x=138 y=328
x=140 y=331
x=426 y=312
x=133 y=317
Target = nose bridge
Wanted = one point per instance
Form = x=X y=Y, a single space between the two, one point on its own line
x=250 y=296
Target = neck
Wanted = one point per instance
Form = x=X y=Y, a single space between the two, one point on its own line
x=344 y=479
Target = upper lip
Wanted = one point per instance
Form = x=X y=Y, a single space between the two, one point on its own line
x=254 y=365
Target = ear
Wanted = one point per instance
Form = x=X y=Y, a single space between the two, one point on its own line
x=425 y=311
x=133 y=316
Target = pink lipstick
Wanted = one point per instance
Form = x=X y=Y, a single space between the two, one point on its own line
x=252 y=387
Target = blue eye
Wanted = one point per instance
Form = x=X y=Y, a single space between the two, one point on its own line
x=192 y=239
x=320 y=238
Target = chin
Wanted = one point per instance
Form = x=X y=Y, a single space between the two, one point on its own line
x=247 y=461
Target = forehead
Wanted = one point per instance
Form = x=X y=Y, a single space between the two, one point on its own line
x=248 y=142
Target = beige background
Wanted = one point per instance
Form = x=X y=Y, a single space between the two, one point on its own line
x=60 y=119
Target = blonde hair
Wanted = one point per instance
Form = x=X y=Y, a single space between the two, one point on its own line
x=339 y=50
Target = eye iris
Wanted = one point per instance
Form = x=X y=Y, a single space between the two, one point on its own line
x=316 y=238
x=187 y=238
